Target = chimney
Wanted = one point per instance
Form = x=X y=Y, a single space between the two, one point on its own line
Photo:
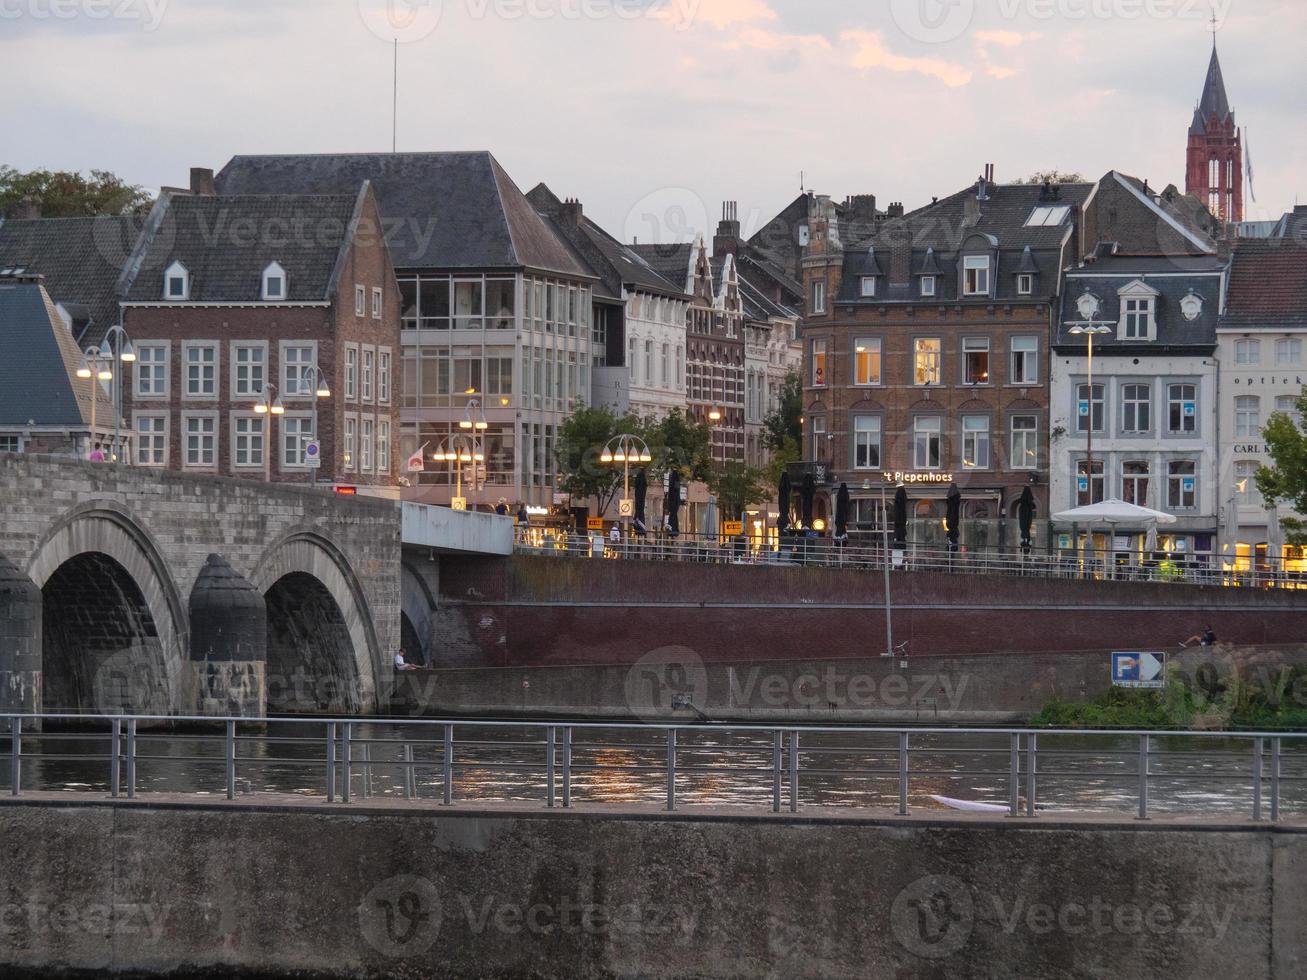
x=982 y=184
x=727 y=239
x=573 y=212
x=895 y=210
x=202 y=182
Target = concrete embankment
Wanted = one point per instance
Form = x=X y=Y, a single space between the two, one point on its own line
x=409 y=891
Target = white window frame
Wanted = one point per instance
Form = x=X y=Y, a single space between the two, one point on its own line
x=868 y=287
x=979 y=264
x=1101 y=401
x=360 y=299
x=921 y=435
x=350 y=448
x=234 y=357
x=874 y=349
x=977 y=345
x=297 y=417
x=186 y=417
x=384 y=367
x=977 y=438
x=176 y=271
x=367 y=443
x=367 y=373
x=929 y=286
x=351 y=372
x=275 y=271
x=1029 y=359
x=820 y=379
x=284 y=386
x=137 y=418
x=876 y=428
x=1288 y=351
x=164 y=368
x=936 y=356
x=1173 y=478
x=1247 y=352
x=818 y=296
x=187 y=347
x=1022 y=460
x=1182 y=431
x=378 y=303
x=1147 y=402
x=383 y=447
x=235 y=438
x=1247 y=417
x=1025 y=283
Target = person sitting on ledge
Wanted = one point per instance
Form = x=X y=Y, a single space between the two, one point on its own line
x=401 y=663
x=1207 y=638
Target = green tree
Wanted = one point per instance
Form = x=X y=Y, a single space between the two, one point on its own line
x=736 y=486
x=783 y=428
x=63 y=194
x=681 y=442
x=581 y=441
x=1286 y=478
x=1053 y=177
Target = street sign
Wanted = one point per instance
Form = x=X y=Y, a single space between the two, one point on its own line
x=594 y=523
x=1137 y=669
x=1082 y=484
x=626 y=508
x=313 y=454
x=458 y=503
x=732 y=527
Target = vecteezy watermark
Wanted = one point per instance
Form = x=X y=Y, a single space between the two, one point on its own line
x=831 y=687
x=402 y=917
x=935 y=916
x=668 y=679
x=669 y=217
x=407 y=21
x=28 y=919
x=941 y=21
x=149 y=13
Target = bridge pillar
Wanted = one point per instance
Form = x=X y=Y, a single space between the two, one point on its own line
x=229 y=642
x=20 y=640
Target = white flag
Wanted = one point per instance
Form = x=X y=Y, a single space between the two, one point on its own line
x=416 y=462
x=1248 y=165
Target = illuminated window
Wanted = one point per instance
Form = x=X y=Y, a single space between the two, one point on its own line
x=926 y=360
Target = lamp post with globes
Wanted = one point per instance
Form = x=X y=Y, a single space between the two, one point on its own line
x=311 y=381
x=626 y=449
x=1088 y=306
x=458 y=449
x=97 y=363
x=474 y=424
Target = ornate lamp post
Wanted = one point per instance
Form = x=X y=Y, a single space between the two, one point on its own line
x=1088 y=306
x=311 y=381
x=474 y=425
x=98 y=363
x=626 y=449
x=457 y=450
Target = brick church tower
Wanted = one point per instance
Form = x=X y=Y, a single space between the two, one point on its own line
x=1214 y=171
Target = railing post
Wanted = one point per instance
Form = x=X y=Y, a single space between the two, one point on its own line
x=131 y=758
x=15 y=756
x=1143 y=777
x=903 y=774
x=410 y=777
x=1275 y=780
x=1014 y=775
x=671 y=769
x=1032 y=749
x=776 y=768
x=115 y=752
x=230 y=758
x=331 y=762
x=549 y=764
x=567 y=767
x=794 y=771
x=367 y=770
x=347 y=758
x=1257 y=778
x=448 y=767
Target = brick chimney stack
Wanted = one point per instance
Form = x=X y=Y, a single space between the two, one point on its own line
x=202 y=182
x=727 y=239
x=573 y=212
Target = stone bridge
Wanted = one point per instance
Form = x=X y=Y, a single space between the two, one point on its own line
x=165 y=593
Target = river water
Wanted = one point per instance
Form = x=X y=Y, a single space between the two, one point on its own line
x=844 y=769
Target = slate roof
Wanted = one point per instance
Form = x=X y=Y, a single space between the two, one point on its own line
x=81 y=259
x=225 y=243
x=1184 y=210
x=441 y=210
x=671 y=262
x=1213 y=101
x=38 y=372
x=1201 y=274
x=1268 y=285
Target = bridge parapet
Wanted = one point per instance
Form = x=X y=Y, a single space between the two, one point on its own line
x=457 y=531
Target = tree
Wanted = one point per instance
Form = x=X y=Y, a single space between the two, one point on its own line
x=679 y=441
x=581 y=441
x=783 y=428
x=1053 y=177
x=1286 y=479
x=63 y=194
x=736 y=486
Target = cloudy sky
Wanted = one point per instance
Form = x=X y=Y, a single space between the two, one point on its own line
x=654 y=111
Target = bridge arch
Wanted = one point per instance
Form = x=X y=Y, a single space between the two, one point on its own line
x=417 y=606
x=115 y=628
x=323 y=651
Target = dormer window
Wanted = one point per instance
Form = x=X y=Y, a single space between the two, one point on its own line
x=927 y=285
x=1025 y=284
x=176 y=283
x=975 y=275
x=1138 y=312
x=868 y=286
x=274 y=283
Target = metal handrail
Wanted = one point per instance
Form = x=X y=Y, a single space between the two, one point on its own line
x=347 y=756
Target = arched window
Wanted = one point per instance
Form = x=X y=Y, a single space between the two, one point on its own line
x=274 y=283
x=176 y=283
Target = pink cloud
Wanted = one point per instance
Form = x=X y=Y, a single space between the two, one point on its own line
x=870 y=52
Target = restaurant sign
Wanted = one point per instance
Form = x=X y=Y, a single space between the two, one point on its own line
x=899 y=476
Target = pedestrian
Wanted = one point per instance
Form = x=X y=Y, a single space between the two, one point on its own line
x=615 y=535
x=97 y=454
x=523 y=517
x=501 y=508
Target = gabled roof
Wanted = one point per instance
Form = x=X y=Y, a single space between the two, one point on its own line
x=38 y=372
x=226 y=242
x=441 y=210
x=1003 y=215
x=1268 y=285
x=1184 y=221
x=671 y=262
x=1213 y=102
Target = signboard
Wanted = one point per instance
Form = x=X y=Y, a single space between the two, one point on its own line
x=594 y=523
x=1137 y=669
x=732 y=527
x=1082 y=484
x=313 y=455
x=1064 y=542
x=1188 y=410
x=1188 y=483
x=458 y=503
x=348 y=491
x=1084 y=409
x=626 y=508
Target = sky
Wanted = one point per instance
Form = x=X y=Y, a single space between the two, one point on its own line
x=653 y=112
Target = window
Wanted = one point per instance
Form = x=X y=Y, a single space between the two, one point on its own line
x=1182 y=408
x=975 y=356
x=201 y=449
x=648 y=363
x=927 y=286
x=201 y=370
x=1089 y=486
x=1288 y=351
x=351 y=437
x=151 y=439
x=926 y=442
x=975 y=442
x=1247 y=352
x=376 y=302
x=151 y=370
x=819 y=296
x=383 y=447
x=369 y=362
x=1025 y=442
x=1181 y=484
x=817 y=438
x=868 y=286
x=383 y=378
x=665 y=374
x=1247 y=416
x=176 y=283
x=10 y=443
x=1047 y=216
x=1025 y=361
x=248 y=364
x=296 y=369
x=367 y=443
x=1137 y=319
x=296 y=433
x=866 y=442
x=247 y=441
x=1288 y=404
x=630 y=359
x=1245 y=481
x=1085 y=405
x=1136 y=408
x=925 y=360
x=351 y=373
x=818 y=362
x=680 y=367
x=360 y=299
x=866 y=361
x=975 y=275
x=1025 y=284
x=274 y=283
x=1134 y=482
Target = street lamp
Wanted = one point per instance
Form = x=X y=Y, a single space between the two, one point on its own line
x=626 y=449
x=474 y=422
x=97 y=363
x=311 y=381
x=1088 y=306
x=456 y=450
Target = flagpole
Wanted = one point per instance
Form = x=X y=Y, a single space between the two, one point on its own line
x=394 y=102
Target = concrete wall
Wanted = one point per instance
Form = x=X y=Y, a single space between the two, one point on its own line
x=536 y=611
x=169 y=890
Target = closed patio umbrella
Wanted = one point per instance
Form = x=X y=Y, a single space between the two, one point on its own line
x=783 y=503
x=842 y=512
x=953 y=516
x=808 y=496
x=674 y=503
x=710 y=522
x=1026 y=517
x=639 y=524
x=901 y=517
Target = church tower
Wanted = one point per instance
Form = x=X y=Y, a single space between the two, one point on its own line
x=1214 y=171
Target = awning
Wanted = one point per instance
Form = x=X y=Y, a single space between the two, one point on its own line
x=1113 y=512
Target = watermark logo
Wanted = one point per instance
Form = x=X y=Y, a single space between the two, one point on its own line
x=933 y=917
x=405 y=21
x=669 y=679
x=933 y=21
x=148 y=13
x=669 y=217
x=401 y=917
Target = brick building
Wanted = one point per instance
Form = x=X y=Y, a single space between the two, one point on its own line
x=242 y=308
x=926 y=351
x=1214 y=155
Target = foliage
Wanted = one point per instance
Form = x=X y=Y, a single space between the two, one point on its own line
x=736 y=487
x=783 y=428
x=62 y=194
x=1286 y=478
x=1053 y=177
x=677 y=441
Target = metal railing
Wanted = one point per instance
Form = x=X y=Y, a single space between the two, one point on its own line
x=824 y=552
x=548 y=758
